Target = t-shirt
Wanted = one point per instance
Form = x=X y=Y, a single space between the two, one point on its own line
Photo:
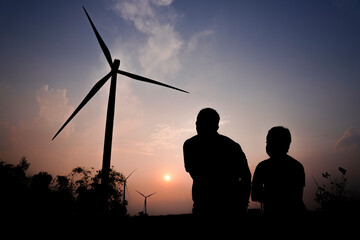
x=218 y=167
x=278 y=183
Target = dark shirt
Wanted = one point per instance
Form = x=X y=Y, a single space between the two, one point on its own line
x=220 y=172
x=278 y=183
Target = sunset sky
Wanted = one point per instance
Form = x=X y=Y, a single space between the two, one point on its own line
x=258 y=63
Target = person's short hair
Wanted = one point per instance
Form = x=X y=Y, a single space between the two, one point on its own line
x=208 y=115
x=207 y=120
x=280 y=138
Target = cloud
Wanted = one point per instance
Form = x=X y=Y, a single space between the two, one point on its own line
x=349 y=140
x=165 y=137
x=80 y=143
x=159 y=54
x=129 y=114
x=162 y=2
x=31 y=136
x=159 y=57
x=139 y=12
x=197 y=38
x=169 y=137
x=53 y=106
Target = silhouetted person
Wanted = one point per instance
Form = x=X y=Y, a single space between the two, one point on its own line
x=279 y=181
x=219 y=169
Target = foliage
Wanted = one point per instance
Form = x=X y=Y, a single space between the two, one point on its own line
x=13 y=186
x=76 y=193
x=334 y=197
x=115 y=192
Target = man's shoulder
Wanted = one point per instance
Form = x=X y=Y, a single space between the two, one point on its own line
x=289 y=162
x=295 y=162
x=192 y=140
x=264 y=164
x=227 y=140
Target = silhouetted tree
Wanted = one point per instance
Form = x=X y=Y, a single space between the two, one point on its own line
x=63 y=184
x=87 y=192
x=40 y=183
x=86 y=197
x=116 y=181
x=42 y=195
x=13 y=187
x=63 y=195
x=80 y=181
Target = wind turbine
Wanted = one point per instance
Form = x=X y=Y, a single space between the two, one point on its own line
x=114 y=65
x=125 y=185
x=145 y=199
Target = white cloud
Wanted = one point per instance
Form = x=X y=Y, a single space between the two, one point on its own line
x=162 y=2
x=32 y=136
x=158 y=56
x=139 y=12
x=53 y=105
x=350 y=139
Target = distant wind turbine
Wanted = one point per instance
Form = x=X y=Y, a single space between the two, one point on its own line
x=125 y=185
x=145 y=199
x=114 y=65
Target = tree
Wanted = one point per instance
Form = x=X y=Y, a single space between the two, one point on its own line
x=63 y=194
x=13 y=187
x=115 y=192
x=87 y=192
x=42 y=195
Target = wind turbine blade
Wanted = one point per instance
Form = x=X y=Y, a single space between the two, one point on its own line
x=130 y=174
x=101 y=42
x=148 y=80
x=92 y=92
x=150 y=194
x=141 y=193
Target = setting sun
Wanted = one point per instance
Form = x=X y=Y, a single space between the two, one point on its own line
x=167 y=178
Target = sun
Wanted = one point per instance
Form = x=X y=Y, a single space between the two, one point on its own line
x=167 y=178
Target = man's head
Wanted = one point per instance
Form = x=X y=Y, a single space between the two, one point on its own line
x=207 y=121
x=278 y=141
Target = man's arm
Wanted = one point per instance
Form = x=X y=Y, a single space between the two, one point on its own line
x=245 y=174
x=300 y=189
x=257 y=190
x=188 y=158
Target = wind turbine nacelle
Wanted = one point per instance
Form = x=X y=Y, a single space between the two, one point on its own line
x=116 y=64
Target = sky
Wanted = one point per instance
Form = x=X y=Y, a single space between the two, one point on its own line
x=258 y=63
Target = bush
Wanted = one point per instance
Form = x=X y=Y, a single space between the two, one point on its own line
x=333 y=197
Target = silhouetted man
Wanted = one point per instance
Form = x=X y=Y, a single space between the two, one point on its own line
x=219 y=169
x=279 y=181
